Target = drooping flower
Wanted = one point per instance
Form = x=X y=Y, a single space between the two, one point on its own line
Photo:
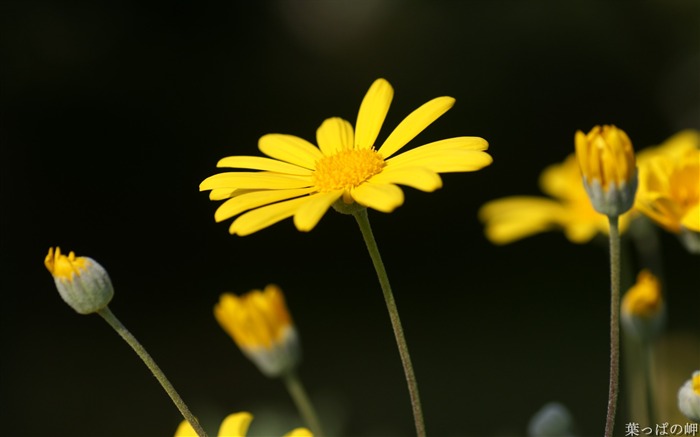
x=689 y=397
x=512 y=218
x=607 y=162
x=304 y=181
x=81 y=281
x=261 y=326
x=669 y=187
x=235 y=425
x=643 y=308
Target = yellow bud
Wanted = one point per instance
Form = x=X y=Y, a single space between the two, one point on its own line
x=261 y=326
x=81 y=281
x=606 y=158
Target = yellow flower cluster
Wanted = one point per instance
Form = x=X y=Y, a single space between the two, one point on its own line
x=668 y=190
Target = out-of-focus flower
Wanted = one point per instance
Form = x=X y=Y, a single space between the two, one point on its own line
x=607 y=162
x=303 y=180
x=669 y=186
x=81 y=281
x=261 y=326
x=689 y=397
x=552 y=420
x=512 y=218
x=643 y=308
x=235 y=425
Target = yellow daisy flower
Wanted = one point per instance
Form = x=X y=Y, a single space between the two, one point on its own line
x=302 y=180
x=235 y=425
x=512 y=218
x=669 y=187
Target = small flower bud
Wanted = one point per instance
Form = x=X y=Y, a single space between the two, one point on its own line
x=82 y=282
x=553 y=419
x=607 y=163
x=689 y=397
x=261 y=326
x=643 y=308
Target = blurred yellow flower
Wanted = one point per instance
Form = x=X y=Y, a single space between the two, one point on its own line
x=304 y=181
x=607 y=162
x=81 y=281
x=669 y=183
x=235 y=425
x=643 y=308
x=511 y=218
x=261 y=326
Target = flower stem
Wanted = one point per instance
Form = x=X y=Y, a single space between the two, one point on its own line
x=110 y=318
x=614 y=324
x=302 y=402
x=363 y=221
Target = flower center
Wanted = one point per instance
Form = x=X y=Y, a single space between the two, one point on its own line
x=346 y=169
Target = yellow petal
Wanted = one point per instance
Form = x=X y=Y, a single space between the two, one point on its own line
x=449 y=155
x=290 y=149
x=221 y=193
x=256 y=199
x=299 y=432
x=513 y=218
x=308 y=215
x=580 y=232
x=372 y=113
x=259 y=180
x=335 y=134
x=185 y=430
x=235 y=425
x=260 y=163
x=417 y=177
x=691 y=219
x=442 y=161
x=261 y=218
x=382 y=197
x=414 y=124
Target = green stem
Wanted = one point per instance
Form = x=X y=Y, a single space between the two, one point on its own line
x=302 y=402
x=366 y=229
x=110 y=318
x=614 y=324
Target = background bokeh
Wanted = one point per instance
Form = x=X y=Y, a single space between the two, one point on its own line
x=113 y=112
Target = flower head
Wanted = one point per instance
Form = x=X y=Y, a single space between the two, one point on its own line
x=82 y=282
x=235 y=425
x=689 y=397
x=669 y=186
x=302 y=180
x=607 y=163
x=643 y=309
x=261 y=326
x=569 y=209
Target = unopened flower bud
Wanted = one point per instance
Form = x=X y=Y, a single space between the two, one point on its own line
x=607 y=162
x=261 y=326
x=689 y=397
x=81 y=281
x=643 y=308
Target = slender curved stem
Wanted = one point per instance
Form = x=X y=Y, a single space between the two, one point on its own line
x=302 y=402
x=614 y=324
x=365 y=228
x=110 y=318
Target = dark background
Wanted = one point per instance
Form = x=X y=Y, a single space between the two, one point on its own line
x=113 y=112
